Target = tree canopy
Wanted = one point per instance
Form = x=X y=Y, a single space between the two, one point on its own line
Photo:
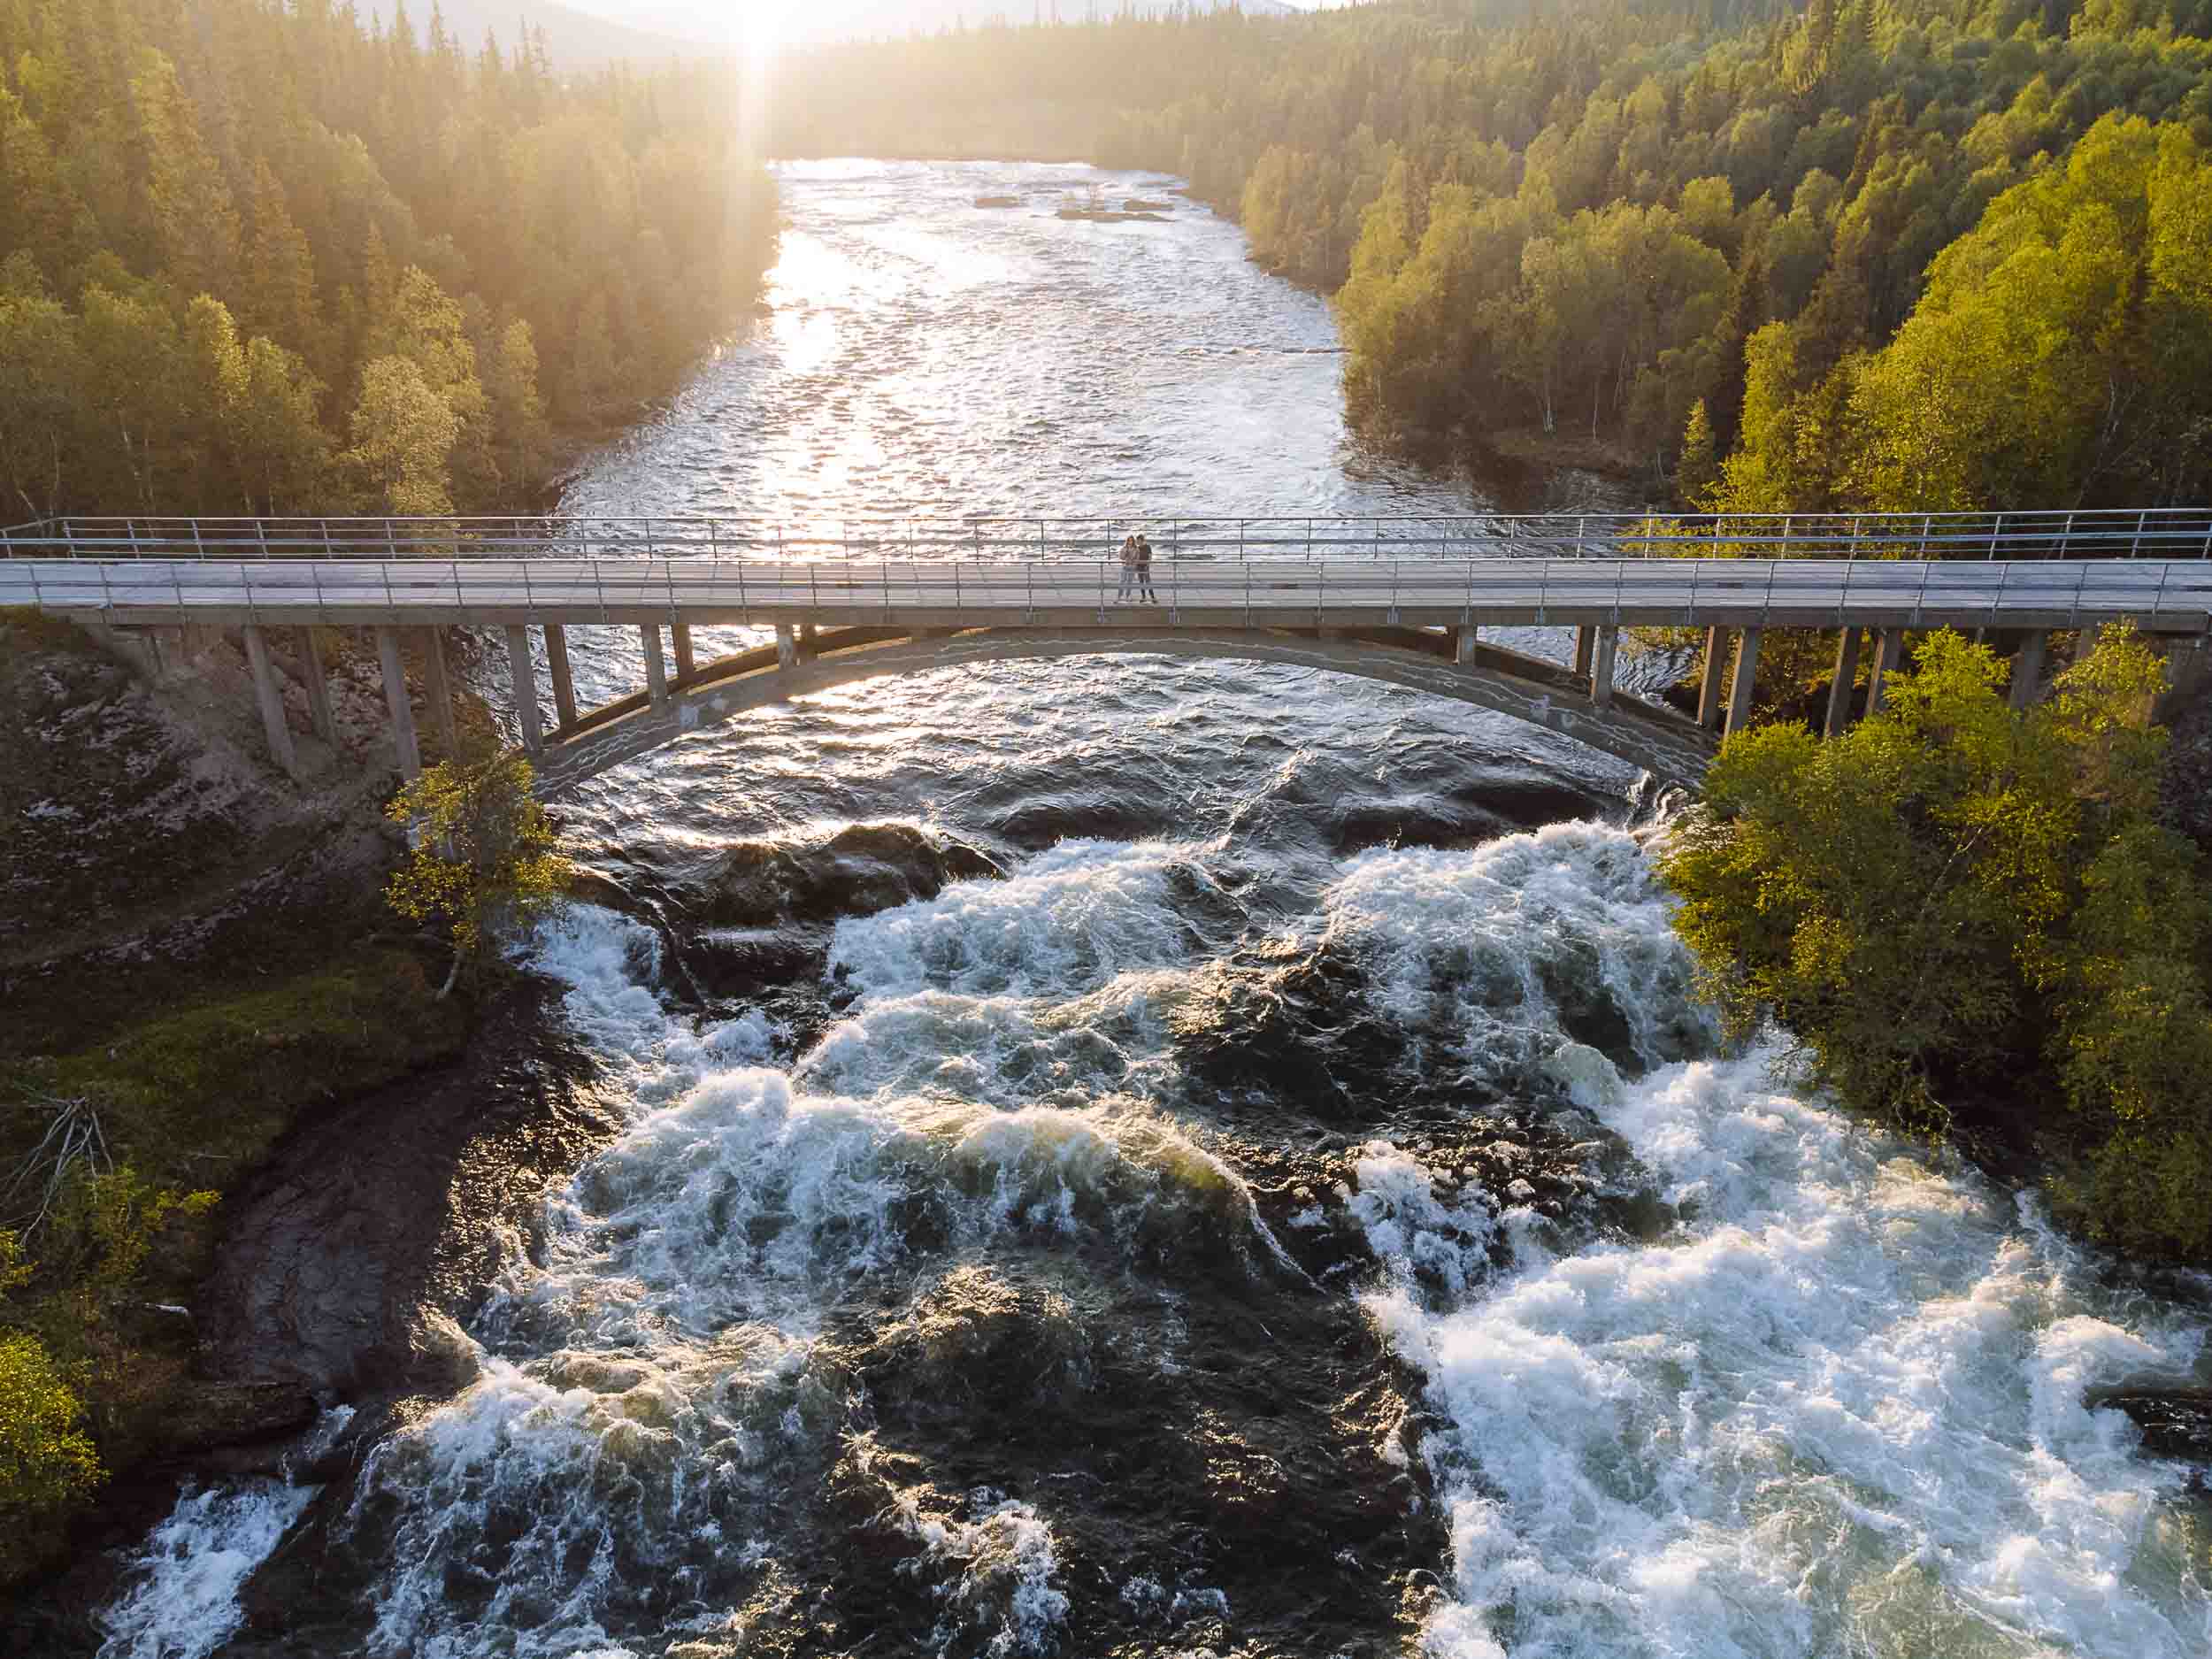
x=1961 y=913
x=483 y=852
x=225 y=226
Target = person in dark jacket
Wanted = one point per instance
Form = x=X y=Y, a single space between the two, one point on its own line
x=1144 y=570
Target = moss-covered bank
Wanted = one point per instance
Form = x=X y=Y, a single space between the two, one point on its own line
x=195 y=965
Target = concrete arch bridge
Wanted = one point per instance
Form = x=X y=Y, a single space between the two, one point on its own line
x=1400 y=600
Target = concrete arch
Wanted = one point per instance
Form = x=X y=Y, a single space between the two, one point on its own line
x=1671 y=747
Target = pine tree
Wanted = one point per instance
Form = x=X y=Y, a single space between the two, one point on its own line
x=1699 y=467
x=278 y=298
x=189 y=201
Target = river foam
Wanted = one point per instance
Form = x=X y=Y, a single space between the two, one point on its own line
x=1838 y=1410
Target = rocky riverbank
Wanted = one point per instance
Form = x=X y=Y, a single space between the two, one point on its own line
x=194 y=952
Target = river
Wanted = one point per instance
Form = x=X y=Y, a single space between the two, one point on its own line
x=1147 y=1158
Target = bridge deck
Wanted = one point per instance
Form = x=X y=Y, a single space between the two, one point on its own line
x=2169 y=595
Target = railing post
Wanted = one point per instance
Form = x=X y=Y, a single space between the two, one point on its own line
x=1996 y=533
x=2141 y=518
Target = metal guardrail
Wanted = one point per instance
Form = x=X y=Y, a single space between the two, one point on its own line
x=2162 y=533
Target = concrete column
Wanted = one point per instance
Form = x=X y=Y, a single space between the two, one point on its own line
x=1465 y=656
x=2027 y=670
x=1746 y=676
x=656 y=666
x=1608 y=644
x=680 y=631
x=524 y=672
x=564 y=681
x=395 y=699
x=787 y=646
x=318 y=677
x=1709 y=707
x=1889 y=650
x=1840 y=692
x=1585 y=643
x=439 y=690
x=270 y=695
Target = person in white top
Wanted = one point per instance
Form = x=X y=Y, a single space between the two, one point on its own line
x=1129 y=556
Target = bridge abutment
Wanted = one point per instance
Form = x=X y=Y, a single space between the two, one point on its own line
x=404 y=747
x=270 y=697
x=1710 y=709
x=1607 y=647
x=1745 y=680
x=563 y=677
x=1840 y=688
x=438 y=689
x=524 y=674
x=2027 y=670
x=656 y=665
x=1889 y=651
x=313 y=670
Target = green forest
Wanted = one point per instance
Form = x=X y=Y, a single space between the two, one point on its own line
x=1881 y=254
x=268 y=258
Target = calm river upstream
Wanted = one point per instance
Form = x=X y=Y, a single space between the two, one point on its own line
x=1138 y=1158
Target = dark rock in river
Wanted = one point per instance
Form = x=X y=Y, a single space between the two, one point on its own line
x=998 y=200
x=858 y=871
x=2176 y=1422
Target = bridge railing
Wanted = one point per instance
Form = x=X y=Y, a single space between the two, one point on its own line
x=2131 y=532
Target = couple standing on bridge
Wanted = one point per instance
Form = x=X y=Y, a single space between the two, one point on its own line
x=1136 y=570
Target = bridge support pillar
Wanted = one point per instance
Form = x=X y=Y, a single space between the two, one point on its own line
x=1608 y=644
x=524 y=672
x=439 y=691
x=1889 y=650
x=1709 y=708
x=1585 y=642
x=2027 y=670
x=1840 y=688
x=564 y=679
x=656 y=665
x=787 y=646
x=394 y=675
x=1747 y=675
x=320 y=712
x=270 y=697
x=680 y=633
x=1464 y=653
